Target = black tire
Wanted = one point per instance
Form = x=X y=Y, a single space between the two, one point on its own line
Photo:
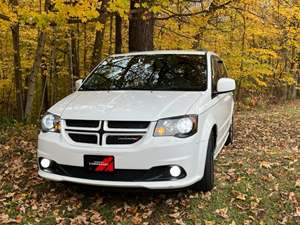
x=230 y=136
x=207 y=182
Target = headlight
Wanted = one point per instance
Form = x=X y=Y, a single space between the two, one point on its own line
x=183 y=126
x=50 y=123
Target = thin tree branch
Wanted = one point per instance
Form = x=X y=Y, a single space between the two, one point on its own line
x=174 y=32
x=212 y=8
x=4 y=17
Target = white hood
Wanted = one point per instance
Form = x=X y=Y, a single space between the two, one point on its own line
x=125 y=105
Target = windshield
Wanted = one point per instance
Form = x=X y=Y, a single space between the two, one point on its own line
x=149 y=72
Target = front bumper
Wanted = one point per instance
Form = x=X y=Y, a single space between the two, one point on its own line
x=149 y=185
x=188 y=153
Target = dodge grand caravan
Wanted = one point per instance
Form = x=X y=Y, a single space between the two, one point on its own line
x=154 y=119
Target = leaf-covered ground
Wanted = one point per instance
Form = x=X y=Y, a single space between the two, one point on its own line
x=257 y=182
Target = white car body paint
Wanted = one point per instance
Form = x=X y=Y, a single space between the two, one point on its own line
x=129 y=105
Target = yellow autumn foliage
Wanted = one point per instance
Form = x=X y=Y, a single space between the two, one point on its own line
x=258 y=40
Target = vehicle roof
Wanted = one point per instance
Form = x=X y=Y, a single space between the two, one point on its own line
x=166 y=52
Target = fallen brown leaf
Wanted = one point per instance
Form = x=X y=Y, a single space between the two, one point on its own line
x=222 y=213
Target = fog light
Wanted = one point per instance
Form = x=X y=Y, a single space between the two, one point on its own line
x=175 y=171
x=45 y=163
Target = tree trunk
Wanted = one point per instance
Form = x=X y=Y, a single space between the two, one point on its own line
x=97 y=50
x=98 y=45
x=140 y=29
x=118 y=34
x=33 y=74
x=17 y=71
x=85 y=48
x=110 y=34
x=15 y=30
x=45 y=99
x=53 y=70
x=71 y=69
x=35 y=68
x=75 y=56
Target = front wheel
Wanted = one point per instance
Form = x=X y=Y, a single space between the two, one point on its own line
x=207 y=182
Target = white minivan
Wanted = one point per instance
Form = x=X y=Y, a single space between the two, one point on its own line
x=154 y=119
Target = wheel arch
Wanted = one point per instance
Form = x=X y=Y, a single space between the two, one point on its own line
x=215 y=132
x=212 y=128
x=207 y=127
x=210 y=125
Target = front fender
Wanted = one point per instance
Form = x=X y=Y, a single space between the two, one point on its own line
x=206 y=123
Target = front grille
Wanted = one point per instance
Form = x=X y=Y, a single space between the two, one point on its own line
x=82 y=123
x=84 y=138
x=128 y=124
x=122 y=140
x=106 y=132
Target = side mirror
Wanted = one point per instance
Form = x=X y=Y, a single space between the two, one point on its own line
x=225 y=85
x=78 y=83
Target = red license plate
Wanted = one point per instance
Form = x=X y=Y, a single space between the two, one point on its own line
x=99 y=163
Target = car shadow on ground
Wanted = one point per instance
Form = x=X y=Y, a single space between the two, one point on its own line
x=88 y=193
x=114 y=192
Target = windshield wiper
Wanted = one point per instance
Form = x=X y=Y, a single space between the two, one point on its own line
x=89 y=89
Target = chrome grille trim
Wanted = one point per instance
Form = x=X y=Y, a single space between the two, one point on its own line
x=83 y=133
x=81 y=128
x=115 y=124
x=83 y=123
x=102 y=132
x=105 y=136
x=106 y=128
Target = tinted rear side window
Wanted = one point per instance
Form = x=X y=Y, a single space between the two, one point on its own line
x=218 y=71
